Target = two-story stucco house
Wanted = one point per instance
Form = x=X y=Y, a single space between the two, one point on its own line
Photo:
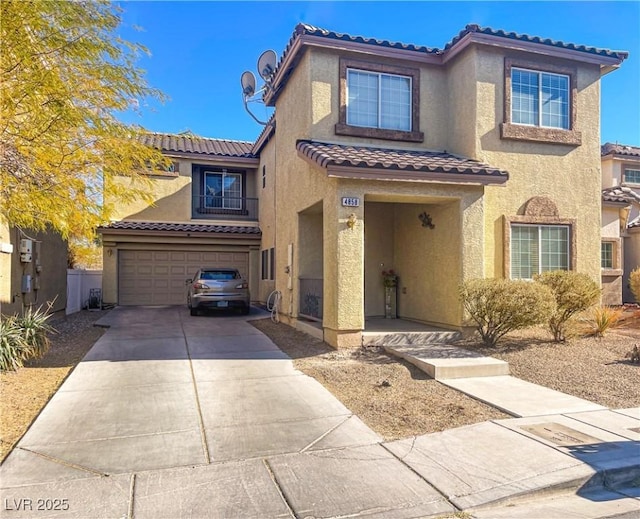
x=620 y=220
x=480 y=159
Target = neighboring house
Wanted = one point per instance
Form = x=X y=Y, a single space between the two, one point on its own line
x=620 y=219
x=481 y=159
x=32 y=279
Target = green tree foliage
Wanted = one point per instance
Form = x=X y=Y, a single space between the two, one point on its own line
x=574 y=292
x=65 y=77
x=499 y=306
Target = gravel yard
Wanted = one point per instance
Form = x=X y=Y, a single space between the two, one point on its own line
x=590 y=368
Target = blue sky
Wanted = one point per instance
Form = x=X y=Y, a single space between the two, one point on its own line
x=200 y=49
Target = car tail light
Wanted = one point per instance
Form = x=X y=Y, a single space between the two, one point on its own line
x=200 y=286
x=242 y=285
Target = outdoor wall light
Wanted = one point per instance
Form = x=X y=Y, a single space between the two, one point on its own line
x=351 y=221
x=426 y=220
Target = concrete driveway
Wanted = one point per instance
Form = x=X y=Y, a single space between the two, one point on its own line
x=175 y=416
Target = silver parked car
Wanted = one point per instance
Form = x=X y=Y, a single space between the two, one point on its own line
x=218 y=288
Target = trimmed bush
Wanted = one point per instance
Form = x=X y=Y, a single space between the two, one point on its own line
x=499 y=306
x=574 y=292
x=23 y=338
x=634 y=283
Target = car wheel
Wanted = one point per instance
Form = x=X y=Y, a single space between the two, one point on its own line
x=246 y=310
x=193 y=311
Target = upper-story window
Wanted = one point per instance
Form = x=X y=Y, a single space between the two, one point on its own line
x=379 y=101
x=223 y=189
x=540 y=101
x=539 y=98
x=631 y=176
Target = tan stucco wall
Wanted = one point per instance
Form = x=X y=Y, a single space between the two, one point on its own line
x=611 y=175
x=267 y=209
x=569 y=175
x=323 y=66
x=610 y=222
x=173 y=194
x=48 y=271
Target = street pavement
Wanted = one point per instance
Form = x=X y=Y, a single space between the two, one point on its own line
x=176 y=416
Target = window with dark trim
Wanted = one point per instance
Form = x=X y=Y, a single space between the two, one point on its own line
x=631 y=175
x=611 y=256
x=606 y=255
x=268 y=264
x=272 y=263
x=540 y=102
x=379 y=101
x=219 y=190
x=265 y=264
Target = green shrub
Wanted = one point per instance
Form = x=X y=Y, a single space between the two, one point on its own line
x=13 y=348
x=23 y=338
x=499 y=306
x=634 y=283
x=574 y=292
x=600 y=319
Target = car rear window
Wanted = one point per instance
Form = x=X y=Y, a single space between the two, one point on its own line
x=220 y=275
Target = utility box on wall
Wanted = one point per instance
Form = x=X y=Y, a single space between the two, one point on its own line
x=26 y=250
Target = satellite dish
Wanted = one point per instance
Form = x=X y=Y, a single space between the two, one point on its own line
x=267 y=64
x=248 y=82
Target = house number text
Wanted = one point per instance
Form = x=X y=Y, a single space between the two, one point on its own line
x=348 y=201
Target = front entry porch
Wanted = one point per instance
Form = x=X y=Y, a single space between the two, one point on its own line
x=379 y=331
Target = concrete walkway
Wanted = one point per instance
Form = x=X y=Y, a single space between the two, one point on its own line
x=176 y=416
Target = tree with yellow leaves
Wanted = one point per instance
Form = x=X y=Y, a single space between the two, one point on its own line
x=65 y=77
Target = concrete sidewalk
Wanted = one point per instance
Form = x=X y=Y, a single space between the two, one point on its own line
x=176 y=416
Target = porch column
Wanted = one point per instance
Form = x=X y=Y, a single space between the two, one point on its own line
x=343 y=319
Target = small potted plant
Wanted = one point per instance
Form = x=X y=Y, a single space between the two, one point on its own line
x=390 y=282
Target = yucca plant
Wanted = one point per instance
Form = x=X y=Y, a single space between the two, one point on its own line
x=23 y=338
x=35 y=330
x=600 y=319
x=13 y=348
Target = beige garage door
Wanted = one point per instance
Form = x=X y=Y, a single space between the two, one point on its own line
x=157 y=277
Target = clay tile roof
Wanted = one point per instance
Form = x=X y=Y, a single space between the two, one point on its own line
x=634 y=223
x=619 y=149
x=327 y=155
x=303 y=28
x=474 y=28
x=187 y=143
x=620 y=194
x=182 y=227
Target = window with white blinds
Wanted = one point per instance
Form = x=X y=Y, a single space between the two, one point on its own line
x=538 y=248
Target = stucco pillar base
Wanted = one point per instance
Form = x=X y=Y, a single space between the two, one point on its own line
x=343 y=338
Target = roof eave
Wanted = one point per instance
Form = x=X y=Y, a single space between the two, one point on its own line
x=108 y=231
x=229 y=159
x=294 y=54
x=264 y=137
x=412 y=175
x=605 y=62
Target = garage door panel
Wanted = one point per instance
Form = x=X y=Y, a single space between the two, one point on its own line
x=157 y=277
